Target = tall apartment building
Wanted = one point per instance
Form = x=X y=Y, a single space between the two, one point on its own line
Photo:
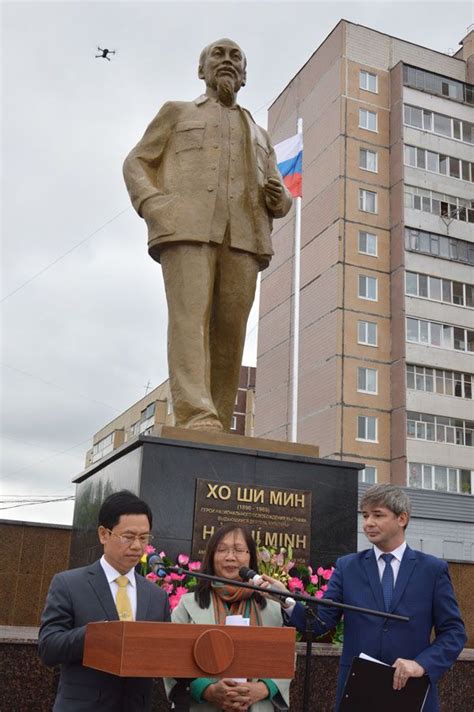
x=156 y=408
x=387 y=295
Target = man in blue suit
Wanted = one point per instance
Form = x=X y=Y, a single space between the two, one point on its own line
x=107 y=590
x=392 y=577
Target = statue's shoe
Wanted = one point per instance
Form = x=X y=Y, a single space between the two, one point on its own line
x=209 y=424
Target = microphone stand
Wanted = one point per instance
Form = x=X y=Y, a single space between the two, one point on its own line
x=311 y=616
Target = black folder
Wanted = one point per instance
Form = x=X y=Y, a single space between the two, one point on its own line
x=369 y=687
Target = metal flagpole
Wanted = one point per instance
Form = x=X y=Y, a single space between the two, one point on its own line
x=296 y=313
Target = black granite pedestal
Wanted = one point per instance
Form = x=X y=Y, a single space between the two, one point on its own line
x=164 y=471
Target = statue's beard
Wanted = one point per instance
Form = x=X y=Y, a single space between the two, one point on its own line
x=225 y=90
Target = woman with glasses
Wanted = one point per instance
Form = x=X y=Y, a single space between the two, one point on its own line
x=230 y=547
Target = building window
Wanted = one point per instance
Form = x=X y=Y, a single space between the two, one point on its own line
x=368 y=160
x=440 y=290
x=368 y=475
x=440 y=429
x=368 y=81
x=147 y=419
x=103 y=447
x=432 y=83
x=431 y=333
x=367 y=380
x=440 y=477
x=233 y=423
x=446 y=248
x=367 y=243
x=435 y=380
x=446 y=206
x=148 y=412
x=367 y=428
x=367 y=287
x=367 y=333
x=367 y=120
x=438 y=124
x=439 y=163
x=367 y=201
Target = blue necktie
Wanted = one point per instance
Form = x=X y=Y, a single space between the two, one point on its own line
x=387 y=580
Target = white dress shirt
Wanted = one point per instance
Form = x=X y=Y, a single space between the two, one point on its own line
x=111 y=574
x=395 y=562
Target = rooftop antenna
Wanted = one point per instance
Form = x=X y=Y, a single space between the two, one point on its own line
x=147 y=387
x=449 y=215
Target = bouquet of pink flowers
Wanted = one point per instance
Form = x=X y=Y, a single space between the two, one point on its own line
x=175 y=585
x=298 y=578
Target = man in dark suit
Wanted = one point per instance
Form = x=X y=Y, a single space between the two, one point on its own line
x=205 y=180
x=107 y=590
x=392 y=577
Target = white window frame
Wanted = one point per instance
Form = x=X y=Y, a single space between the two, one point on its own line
x=366 y=113
x=366 y=329
x=446 y=343
x=428 y=125
x=366 y=390
x=430 y=201
x=363 y=200
x=233 y=423
x=135 y=428
x=414 y=152
x=365 y=75
x=375 y=281
x=103 y=447
x=443 y=282
x=366 y=418
x=362 y=474
x=367 y=235
x=376 y=160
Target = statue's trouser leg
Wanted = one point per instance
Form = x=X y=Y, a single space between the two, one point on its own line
x=188 y=272
x=234 y=293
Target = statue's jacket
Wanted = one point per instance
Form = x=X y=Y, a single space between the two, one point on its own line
x=173 y=179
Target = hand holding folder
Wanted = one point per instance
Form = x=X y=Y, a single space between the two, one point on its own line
x=369 y=686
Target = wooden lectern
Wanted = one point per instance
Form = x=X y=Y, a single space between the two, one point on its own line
x=142 y=649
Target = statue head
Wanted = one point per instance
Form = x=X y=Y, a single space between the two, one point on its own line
x=222 y=65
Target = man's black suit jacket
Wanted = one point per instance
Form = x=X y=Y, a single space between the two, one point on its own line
x=82 y=596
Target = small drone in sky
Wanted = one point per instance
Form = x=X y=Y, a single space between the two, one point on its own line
x=105 y=53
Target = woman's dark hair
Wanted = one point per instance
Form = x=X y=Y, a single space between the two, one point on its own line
x=202 y=593
x=123 y=502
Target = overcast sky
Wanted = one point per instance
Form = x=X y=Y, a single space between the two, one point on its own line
x=83 y=312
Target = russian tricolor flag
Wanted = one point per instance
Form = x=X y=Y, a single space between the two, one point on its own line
x=289 y=155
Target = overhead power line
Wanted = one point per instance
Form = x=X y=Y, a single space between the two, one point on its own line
x=27 y=503
x=56 y=385
x=17 y=439
x=34 y=499
x=45 y=459
x=58 y=259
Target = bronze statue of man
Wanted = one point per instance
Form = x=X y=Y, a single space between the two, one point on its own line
x=205 y=180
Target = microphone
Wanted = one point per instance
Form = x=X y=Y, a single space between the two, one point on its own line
x=156 y=564
x=250 y=575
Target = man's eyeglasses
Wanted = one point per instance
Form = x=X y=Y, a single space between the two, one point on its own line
x=223 y=551
x=129 y=539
